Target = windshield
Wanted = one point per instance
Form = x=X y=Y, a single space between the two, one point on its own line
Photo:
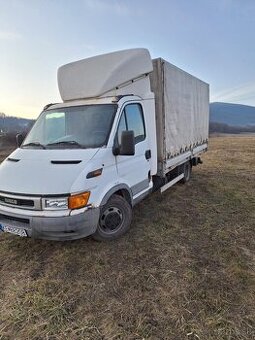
x=72 y=127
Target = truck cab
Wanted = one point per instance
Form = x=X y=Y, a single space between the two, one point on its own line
x=80 y=170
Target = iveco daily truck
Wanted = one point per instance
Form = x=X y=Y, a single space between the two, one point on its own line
x=127 y=125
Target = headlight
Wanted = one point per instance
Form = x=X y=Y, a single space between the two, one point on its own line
x=62 y=203
x=56 y=203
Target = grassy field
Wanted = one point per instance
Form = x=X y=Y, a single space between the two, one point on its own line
x=186 y=269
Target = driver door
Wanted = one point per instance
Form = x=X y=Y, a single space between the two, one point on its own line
x=134 y=170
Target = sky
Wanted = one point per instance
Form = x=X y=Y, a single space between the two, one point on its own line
x=211 y=39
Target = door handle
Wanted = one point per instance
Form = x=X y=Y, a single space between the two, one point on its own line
x=148 y=154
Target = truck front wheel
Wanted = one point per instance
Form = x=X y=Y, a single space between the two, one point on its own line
x=115 y=219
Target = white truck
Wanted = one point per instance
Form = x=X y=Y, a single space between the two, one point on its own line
x=127 y=125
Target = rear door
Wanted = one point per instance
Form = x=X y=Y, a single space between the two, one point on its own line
x=134 y=170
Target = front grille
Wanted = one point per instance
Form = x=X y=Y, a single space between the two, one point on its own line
x=20 y=201
x=17 y=201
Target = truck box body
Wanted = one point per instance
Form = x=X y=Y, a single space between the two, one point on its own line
x=182 y=111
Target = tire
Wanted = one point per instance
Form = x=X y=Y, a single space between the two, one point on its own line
x=187 y=173
x=114 y=220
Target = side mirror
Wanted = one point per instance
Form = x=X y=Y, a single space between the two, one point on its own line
x=19 y=139
x=127 y=147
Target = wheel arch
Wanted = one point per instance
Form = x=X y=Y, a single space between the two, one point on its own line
x=121 y=190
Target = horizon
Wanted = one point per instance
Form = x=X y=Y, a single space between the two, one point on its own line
x=210 y=40
x=34 y=118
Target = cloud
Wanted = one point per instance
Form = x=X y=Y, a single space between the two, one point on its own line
x=115 y=6
x=238 y=94
x=5 y=35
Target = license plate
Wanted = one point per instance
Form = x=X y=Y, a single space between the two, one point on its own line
x=13 y=230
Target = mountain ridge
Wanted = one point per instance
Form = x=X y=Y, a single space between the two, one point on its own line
x=232 y=114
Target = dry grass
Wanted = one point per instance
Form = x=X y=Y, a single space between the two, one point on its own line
x=184 y=271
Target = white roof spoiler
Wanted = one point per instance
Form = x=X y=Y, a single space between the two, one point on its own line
x=96 y=76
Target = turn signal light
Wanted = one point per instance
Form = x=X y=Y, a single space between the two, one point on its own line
x=95 y=173
x=78 y=201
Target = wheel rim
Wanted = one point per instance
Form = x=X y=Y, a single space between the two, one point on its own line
x=111 y=220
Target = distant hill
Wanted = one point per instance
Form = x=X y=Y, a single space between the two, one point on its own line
x=232 y=114
x=10 y=127
x=14 y=124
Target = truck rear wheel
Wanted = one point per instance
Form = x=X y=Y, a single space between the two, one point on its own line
x=187 y=172
x=115 y=219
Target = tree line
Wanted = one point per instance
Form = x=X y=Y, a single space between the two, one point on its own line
x=215 y=127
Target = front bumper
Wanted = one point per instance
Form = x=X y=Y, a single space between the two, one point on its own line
x=58 y=228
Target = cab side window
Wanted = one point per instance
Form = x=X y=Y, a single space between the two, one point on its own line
x=132 y=119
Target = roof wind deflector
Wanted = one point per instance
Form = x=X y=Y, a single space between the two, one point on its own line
x=116 y=68
x=67 y=162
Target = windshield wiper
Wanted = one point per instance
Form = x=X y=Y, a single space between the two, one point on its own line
x=66 y=142
x=34 y=144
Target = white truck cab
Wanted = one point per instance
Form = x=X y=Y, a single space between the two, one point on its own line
x=87 y=161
